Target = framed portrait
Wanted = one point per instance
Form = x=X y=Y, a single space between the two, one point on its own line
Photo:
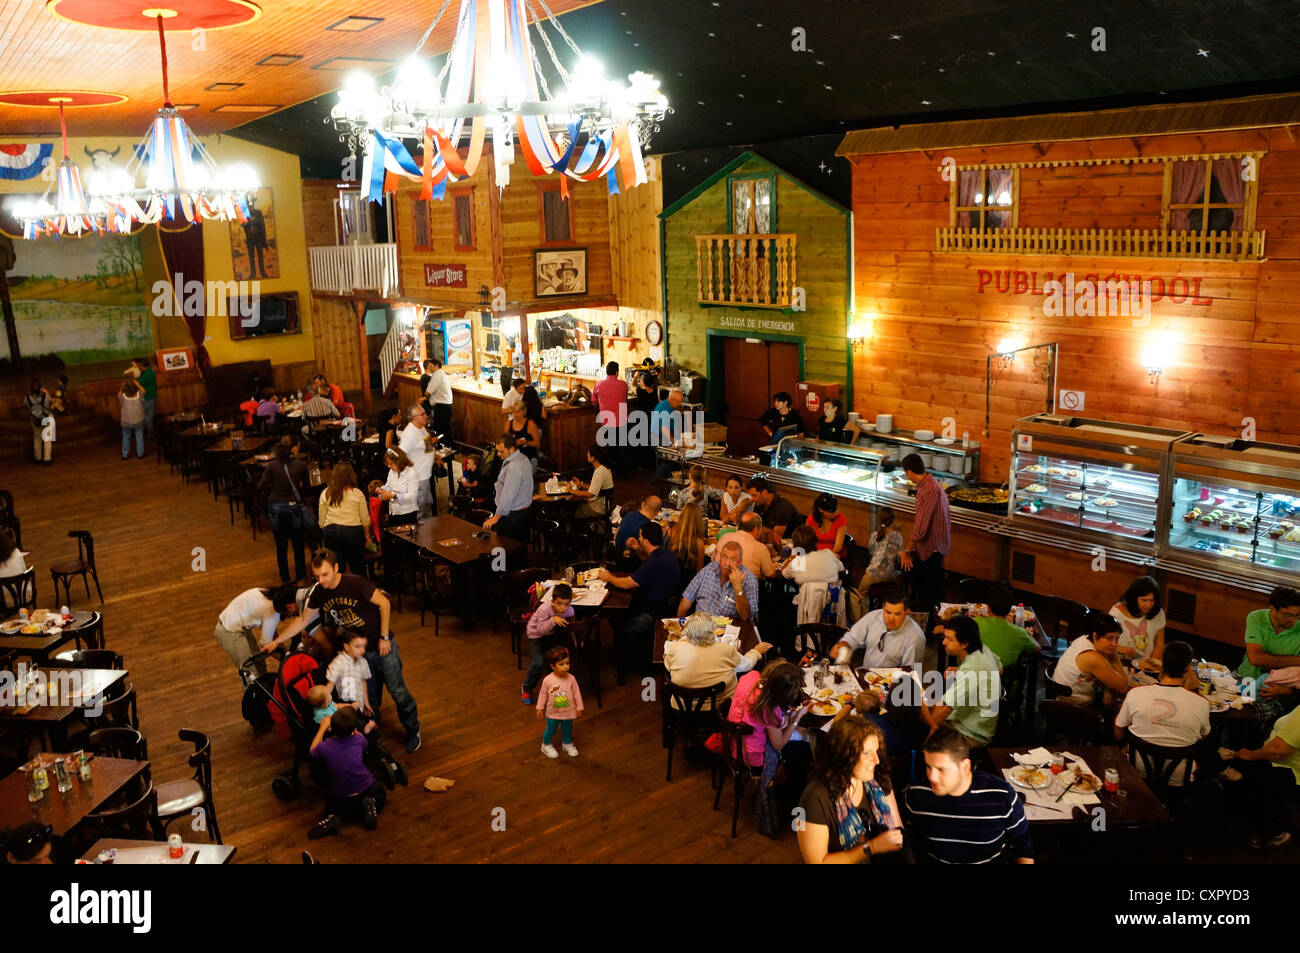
x=254 y=250
x=175 y=359
x=559 y=271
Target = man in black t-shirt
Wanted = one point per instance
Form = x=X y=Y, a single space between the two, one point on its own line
x=353 y=602
x=778 y=513
x=781 y=415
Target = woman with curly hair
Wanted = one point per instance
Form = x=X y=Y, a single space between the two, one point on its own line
x=850 y=813
x=849 y=809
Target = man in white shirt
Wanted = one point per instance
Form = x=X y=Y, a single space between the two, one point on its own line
x=1168 y=713
x=417 y=444
x=439 y=393
x=888 y=635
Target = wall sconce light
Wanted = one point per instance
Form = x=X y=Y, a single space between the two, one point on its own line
x=859 y=332
x=1006 y=355
x=484 y=296
x=1156 y=354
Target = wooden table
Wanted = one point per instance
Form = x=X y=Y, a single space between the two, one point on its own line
x=202 y=430
x=155 y=852
x=63 y=812
x=40 y=647
x=90 y=684
x=434 y=536
x=1139 y=809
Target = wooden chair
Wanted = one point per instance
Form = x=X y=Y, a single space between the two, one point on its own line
x=517 y=584
x=732 y=760
x=685 y=713
x=1072 y=619
x=436 y=581
x=1019 y=682
x=119 y=742
x=88 y=637
x=1158 y=764
x=180 y=798
x=92 y=658
x=137 y=820
x=478 y=517
x=542 y=532
x=83 y=565
x=18 y=592
x=974 y=589
x=823 y=636
x=1073 y=724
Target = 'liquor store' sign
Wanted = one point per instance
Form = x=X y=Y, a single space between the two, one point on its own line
x=444 y=276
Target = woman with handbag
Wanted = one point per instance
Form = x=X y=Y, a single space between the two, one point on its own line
x=344 y=518
x=286 y=479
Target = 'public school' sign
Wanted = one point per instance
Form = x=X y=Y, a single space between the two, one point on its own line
x=444 y=276
x=1177 y=289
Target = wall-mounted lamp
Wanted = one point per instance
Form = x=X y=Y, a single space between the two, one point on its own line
x=859 y=333
x=1158 y=353
x=1006 y=355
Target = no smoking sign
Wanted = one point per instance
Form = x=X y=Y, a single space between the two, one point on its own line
x=1070 y=400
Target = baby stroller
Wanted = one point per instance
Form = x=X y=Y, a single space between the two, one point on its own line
x=279 y=700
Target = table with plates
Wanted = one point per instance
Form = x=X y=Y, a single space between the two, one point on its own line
x=45 y=712
x=745 y=635
x=64 y=811
x=591 y=605
x=1050 y=804
x=39 y=646
x=156 y=852
x=836 y=686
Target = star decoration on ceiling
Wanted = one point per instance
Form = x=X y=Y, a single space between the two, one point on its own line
x=1070 y=36
x=1202 y=52
x=925 y=102
x=894 y=36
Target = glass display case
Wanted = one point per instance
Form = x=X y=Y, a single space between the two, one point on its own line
x=862 y=471
x=1232 y=502
x=1089 y=477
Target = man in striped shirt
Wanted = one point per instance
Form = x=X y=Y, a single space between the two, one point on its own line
x=931 y=531
x=963 y=816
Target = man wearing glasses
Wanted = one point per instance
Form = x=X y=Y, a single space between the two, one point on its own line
x=888 y=636
x=1272 y=655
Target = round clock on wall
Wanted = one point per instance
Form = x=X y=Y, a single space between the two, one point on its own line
x=654 y=333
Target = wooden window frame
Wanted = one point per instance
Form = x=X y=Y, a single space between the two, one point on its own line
x=1248 y=200
x=428 y=224
x=1014 y=208
x=462 y=191
x=542 y=189
x=749 y=176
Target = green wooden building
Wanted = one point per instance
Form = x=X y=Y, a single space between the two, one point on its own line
x=754 y=254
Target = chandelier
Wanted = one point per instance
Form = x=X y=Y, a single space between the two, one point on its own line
x=492 y=86
x=69 y=212
x=181 y=179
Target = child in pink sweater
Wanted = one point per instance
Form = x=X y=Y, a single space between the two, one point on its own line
x=559 y=701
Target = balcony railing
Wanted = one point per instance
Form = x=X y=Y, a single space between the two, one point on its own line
x=344 y=269
x=752 y=271
x=1102 y=243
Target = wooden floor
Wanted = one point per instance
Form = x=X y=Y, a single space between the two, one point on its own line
x=610 y=804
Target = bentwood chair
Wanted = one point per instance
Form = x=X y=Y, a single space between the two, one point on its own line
x=137 y=820
x=732 y=760
x=82 y=565
x=118 y=742
x=821 y=636
x=181 y=798
x=18 y=592
x=691 y=713
x=517 y=584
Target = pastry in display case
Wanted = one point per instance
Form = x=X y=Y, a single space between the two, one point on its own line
x=1089 y=476
x=1235 y=500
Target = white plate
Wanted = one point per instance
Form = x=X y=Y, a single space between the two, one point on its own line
x=944 y=441
x=1033 y=779
x=926 y=435
x=11 y=628
x=833 y=703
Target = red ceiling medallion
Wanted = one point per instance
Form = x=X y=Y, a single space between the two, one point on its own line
x=143 y=14
x=69 y=98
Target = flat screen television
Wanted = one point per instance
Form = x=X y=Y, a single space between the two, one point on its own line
x=265 y=314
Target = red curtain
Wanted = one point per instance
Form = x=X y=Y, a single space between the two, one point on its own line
x=1187 y=185
x=968 y=184
x=183 y=258
x=1227 y=172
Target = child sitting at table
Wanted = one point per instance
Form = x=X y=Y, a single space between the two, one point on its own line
x=559 y=701
x=376 y=505
x=542 y=636
x=353 y=790
x=469 y=487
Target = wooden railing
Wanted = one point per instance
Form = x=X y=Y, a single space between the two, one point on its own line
x=390 y=354
x=754 y=271
x=343 y=269
x=1128 y=243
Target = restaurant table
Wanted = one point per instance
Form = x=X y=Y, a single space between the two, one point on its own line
x=46 y=718
x=41 y=647
x=452 y=539
x=184 y=417
x=1138 y=809
x=155 y=852
x=65 y=811
x=586 y=636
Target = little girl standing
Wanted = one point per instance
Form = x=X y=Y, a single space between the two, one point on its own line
x=559 y=701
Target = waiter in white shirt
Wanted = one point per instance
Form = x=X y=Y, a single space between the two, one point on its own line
x=513 y=396
x=514 y=492
x=439 y=393
x=418 y=445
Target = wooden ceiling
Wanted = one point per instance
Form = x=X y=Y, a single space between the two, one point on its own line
x=41 y=51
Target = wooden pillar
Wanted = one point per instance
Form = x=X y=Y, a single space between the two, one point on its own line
x=363 y=352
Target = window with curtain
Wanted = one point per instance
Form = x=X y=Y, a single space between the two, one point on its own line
x=557 y=223
x=753 y=206
x=985 y=199
x=423 y=240
x=1207 y=195
x=463 y=209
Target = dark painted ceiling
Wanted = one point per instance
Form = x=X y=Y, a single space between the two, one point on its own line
x=733 y=77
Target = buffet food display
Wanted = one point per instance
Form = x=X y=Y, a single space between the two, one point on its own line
x=872 y=468
x=1233 y=501
x=1089 y=477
